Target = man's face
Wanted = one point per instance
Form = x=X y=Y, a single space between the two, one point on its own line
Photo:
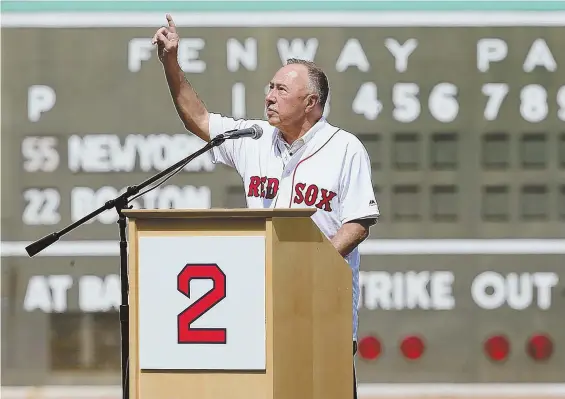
x=287 y=99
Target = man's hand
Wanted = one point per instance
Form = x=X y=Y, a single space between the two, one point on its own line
x=167 y=41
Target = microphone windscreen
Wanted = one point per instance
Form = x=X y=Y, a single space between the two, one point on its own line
x=258 y=131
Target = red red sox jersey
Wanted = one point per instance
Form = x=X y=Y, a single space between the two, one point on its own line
x=327 y=169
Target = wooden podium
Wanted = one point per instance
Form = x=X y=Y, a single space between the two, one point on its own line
x=237 y=304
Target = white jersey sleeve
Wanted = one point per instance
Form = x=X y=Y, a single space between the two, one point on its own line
x=356 y=195
x=230 y=152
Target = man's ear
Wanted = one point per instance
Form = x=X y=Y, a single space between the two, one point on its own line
x=311 y=101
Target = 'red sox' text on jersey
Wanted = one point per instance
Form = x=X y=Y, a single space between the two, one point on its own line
x=309 y=194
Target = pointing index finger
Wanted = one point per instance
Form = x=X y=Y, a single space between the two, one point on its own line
x=172 y=25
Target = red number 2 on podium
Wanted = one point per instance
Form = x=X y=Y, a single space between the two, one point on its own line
x=186 y=333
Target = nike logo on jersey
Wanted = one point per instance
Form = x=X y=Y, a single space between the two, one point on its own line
x=264 y=187
x=312 y=195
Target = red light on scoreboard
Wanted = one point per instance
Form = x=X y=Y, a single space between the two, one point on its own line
x=497 y=348
x=369 y=348
x=412 y=347
x=539 y=347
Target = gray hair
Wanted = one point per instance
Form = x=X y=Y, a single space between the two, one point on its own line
x=318 y=81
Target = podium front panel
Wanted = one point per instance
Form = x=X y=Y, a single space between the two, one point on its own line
x=202 y=302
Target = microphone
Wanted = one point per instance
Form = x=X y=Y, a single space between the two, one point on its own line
x=254 y=132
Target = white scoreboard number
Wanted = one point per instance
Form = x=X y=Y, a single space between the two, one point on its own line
x=442 y=102
x=533 y=99
x=40 y=154
x=41 y=206
x=443 y=106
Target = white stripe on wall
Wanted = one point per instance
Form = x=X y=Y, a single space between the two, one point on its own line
x=365 y=390
x=369 y=247
x=284 y=19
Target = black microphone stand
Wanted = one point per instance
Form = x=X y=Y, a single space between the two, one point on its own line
x=120 y=203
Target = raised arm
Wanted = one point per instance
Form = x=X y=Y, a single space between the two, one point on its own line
x=190 y=108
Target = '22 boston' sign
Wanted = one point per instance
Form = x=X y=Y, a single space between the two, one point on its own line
x=191 y=335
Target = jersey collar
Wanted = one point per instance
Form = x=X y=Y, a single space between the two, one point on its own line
x=299 y=143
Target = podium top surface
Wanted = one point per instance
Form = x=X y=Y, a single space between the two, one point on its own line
x=217 y=213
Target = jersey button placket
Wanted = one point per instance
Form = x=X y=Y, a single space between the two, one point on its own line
x=285 y=189
x=289 y=165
